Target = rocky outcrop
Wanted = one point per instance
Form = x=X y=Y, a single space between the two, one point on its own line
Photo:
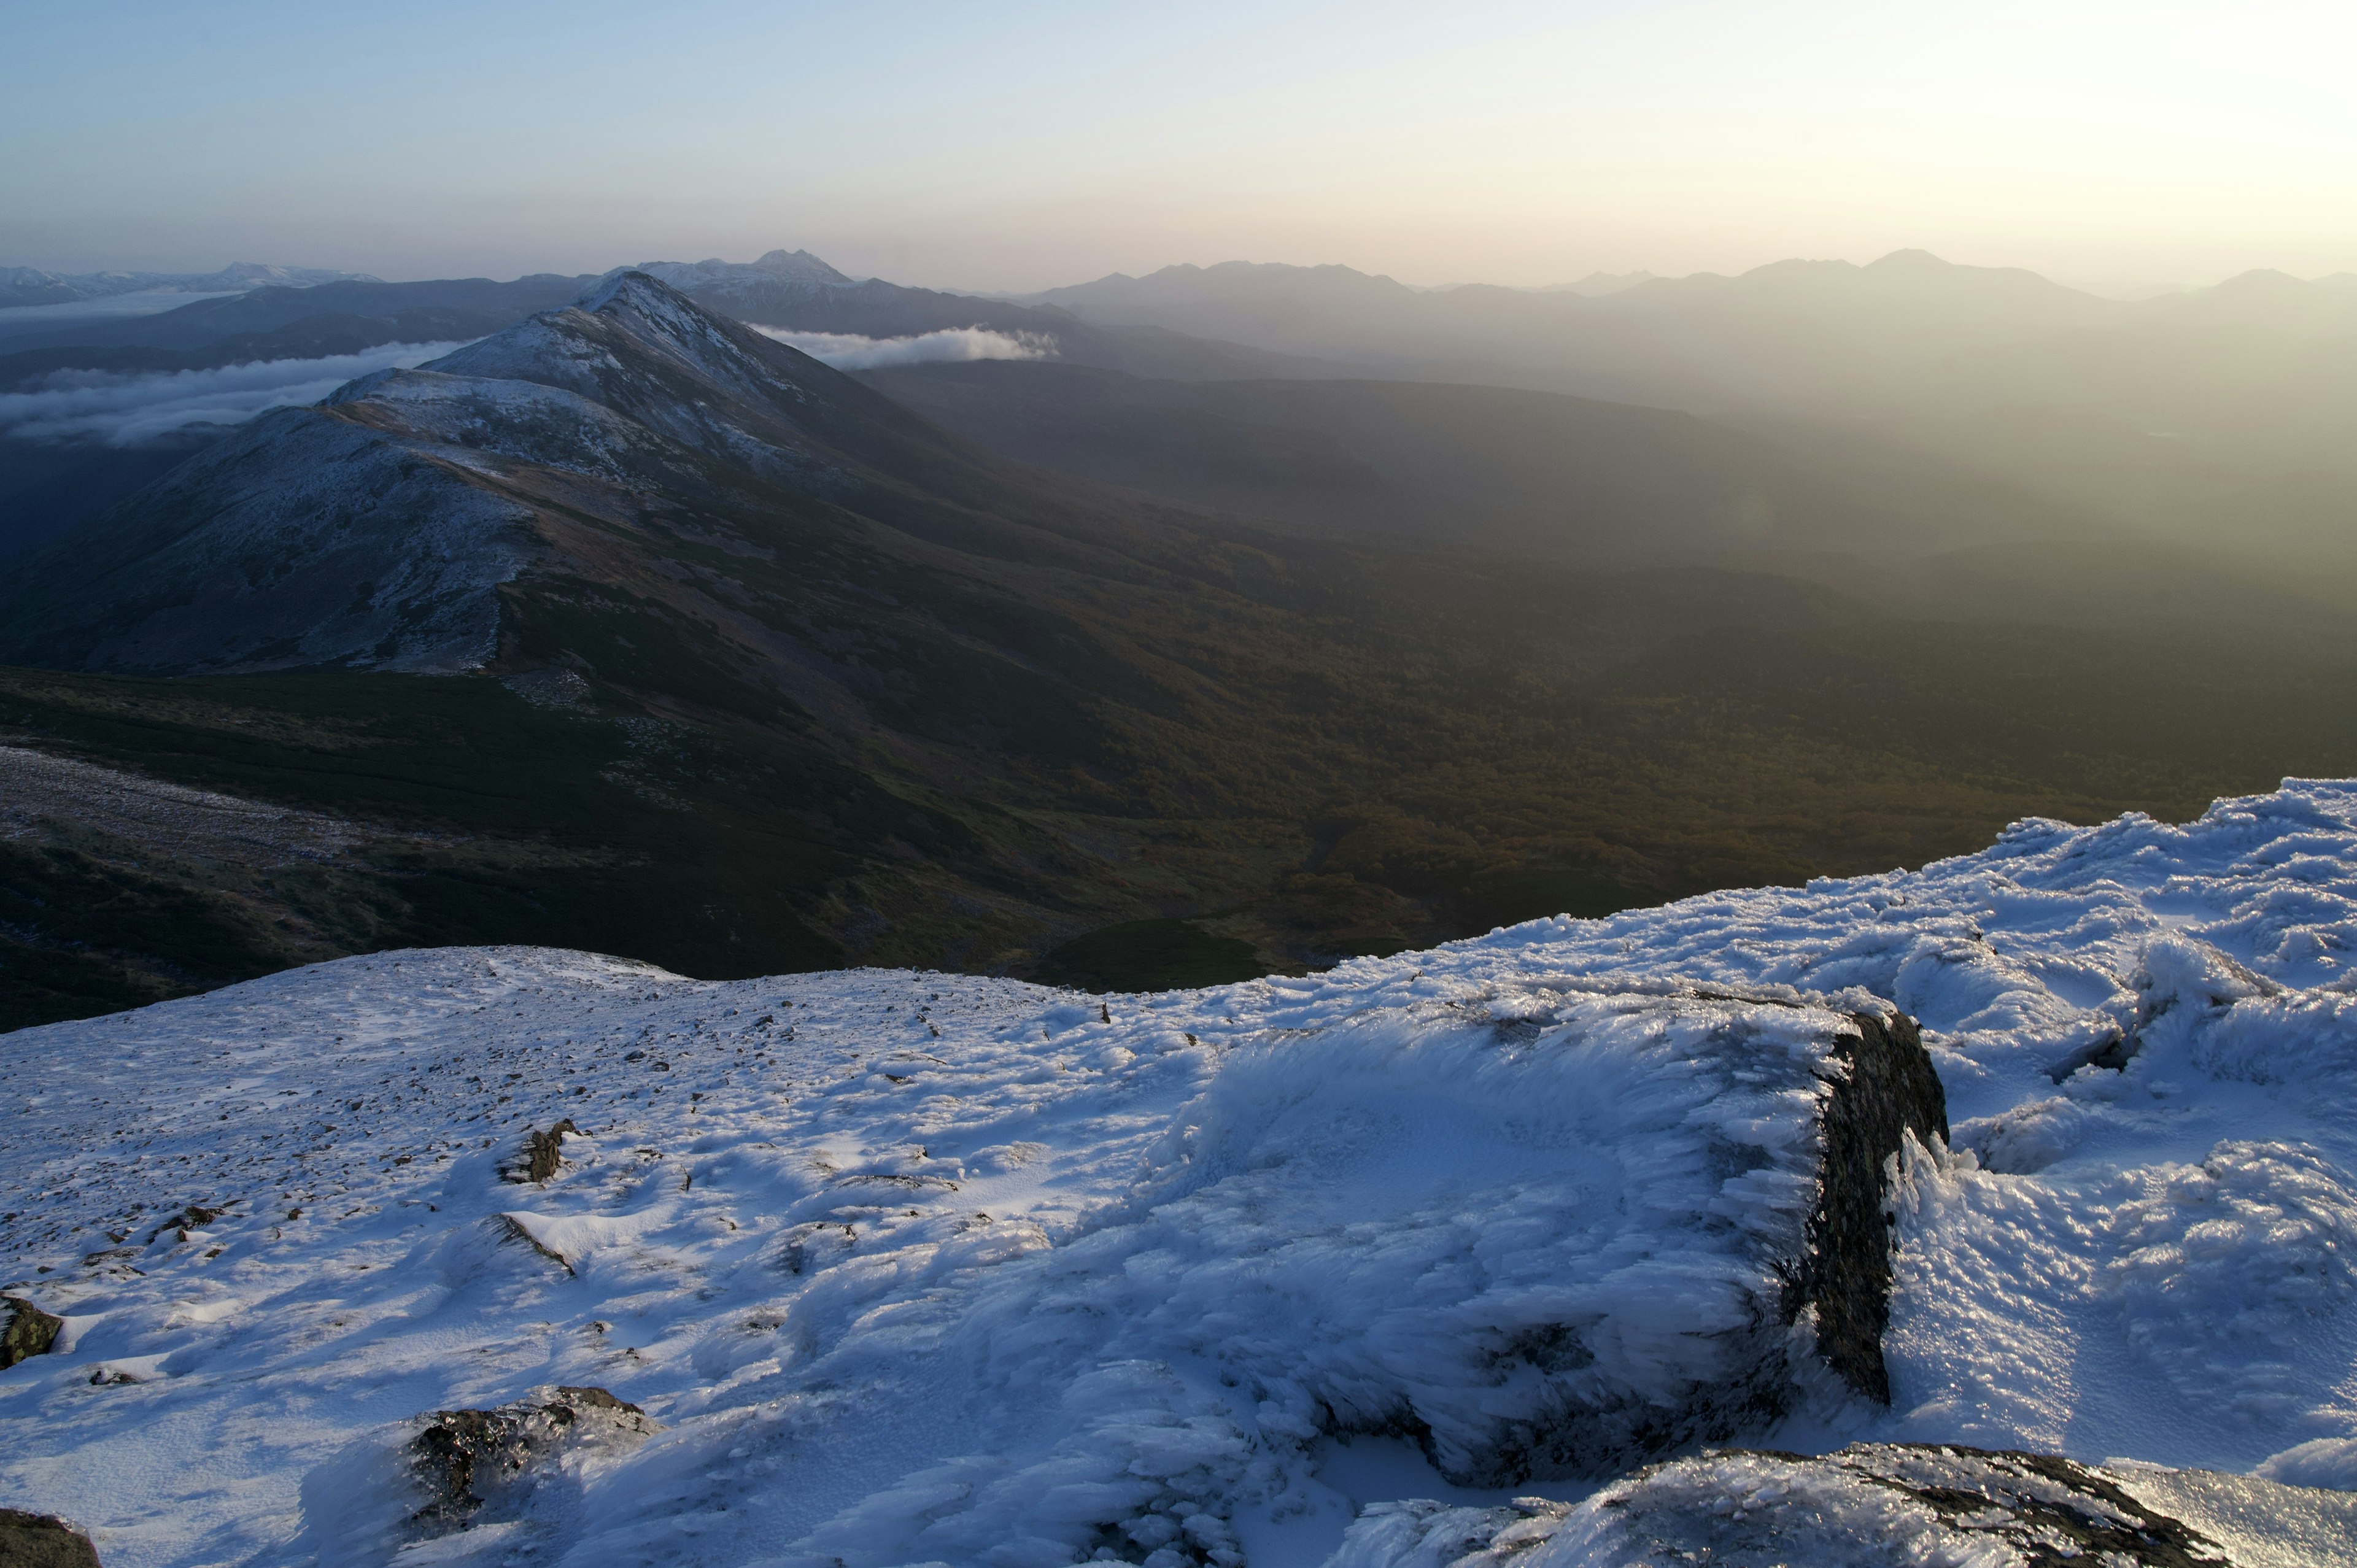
x=1884 y=1092
x=27 y=1332
x=42 y=1541
x=541 y=1155
x=1872 y=1504
x=471 y=1460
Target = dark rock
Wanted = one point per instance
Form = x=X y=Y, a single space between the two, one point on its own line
x=1891 y=1090
x=29 y=1331
x=467 y=1459
x=541 y=1155
x=42 y=1540
x=1871 y=1503
x=195 y=1217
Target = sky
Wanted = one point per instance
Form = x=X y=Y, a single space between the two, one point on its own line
x=1032 y=143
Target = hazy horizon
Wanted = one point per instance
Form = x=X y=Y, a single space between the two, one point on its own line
x=2121 y=147
x=2125 y=289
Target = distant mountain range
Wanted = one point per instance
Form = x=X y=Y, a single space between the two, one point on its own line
x=30 y=285
x=2220 y=413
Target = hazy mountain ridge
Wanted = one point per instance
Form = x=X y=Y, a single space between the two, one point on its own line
x=204 y=322
x=2216 y=415
x=1488 y=467
x=32 y=285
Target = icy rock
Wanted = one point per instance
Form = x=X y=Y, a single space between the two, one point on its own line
x=29 y=1331
x=464 y=1455
x=42 y=1540
x=1418 y=1533
x=1875 y=1505
x=1887 y=1092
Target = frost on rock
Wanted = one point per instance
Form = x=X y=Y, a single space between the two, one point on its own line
x=1871 y=1506
x=501 y=1474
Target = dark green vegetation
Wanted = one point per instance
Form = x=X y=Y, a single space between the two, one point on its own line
x=1149 y=955
x=1378 y=808
x=797 y=680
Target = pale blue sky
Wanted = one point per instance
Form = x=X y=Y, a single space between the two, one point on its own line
x=1046 y=141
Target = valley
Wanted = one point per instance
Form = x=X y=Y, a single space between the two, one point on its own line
x=715 y=657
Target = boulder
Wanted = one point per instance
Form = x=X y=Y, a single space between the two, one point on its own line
x=468 y=1460
x=29 y=1331
x=42 y=1541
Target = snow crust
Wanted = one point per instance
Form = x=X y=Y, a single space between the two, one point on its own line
x=918 y=1268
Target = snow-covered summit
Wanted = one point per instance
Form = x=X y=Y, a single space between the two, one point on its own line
x=909 y=1267
x=377 y=528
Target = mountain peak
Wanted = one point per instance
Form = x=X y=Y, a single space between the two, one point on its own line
x=1913 y=261
x=630 y=286
x=799 y=264
x=793 y=273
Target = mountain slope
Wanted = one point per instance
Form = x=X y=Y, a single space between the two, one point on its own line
x=1491 y=467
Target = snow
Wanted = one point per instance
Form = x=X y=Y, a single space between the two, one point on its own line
x=909 y=1267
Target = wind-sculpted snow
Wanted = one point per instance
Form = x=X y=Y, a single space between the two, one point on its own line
x=909 y=1268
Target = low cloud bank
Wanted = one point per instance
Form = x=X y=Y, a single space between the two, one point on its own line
x=131 y=409
x=849 y=351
